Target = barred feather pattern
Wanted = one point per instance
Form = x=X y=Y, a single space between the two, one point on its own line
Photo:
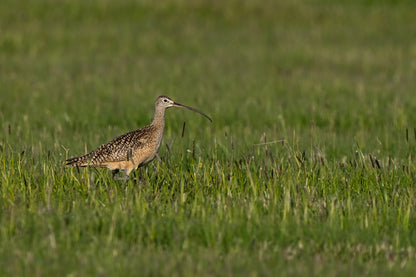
x=122 y=148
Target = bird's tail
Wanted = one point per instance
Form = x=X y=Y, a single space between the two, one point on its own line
x=78 y=161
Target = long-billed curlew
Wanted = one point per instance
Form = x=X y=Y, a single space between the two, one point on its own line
x=131 y=150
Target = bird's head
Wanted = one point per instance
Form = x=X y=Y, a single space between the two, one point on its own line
x=165 y=102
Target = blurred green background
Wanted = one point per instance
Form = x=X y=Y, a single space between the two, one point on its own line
x=334 y=79
x=71 y=68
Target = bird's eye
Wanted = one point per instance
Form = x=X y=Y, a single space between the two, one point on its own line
x=165 y=100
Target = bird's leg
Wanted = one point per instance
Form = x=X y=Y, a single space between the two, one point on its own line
x=115 y=171
x=115 y=177
x=157 y=156
x=125 y=176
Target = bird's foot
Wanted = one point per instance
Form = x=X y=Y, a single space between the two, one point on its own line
x=125 y=178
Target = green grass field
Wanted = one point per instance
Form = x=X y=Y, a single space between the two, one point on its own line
x=308 y=168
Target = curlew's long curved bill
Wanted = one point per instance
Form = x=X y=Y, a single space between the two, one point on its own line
x=192 y=109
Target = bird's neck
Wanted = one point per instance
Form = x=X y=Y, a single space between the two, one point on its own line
x=158 y=126
x=159 y=118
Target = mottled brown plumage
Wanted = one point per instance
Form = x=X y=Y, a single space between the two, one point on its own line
x=131 y=150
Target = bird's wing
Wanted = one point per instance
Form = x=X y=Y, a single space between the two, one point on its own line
x=119 y=149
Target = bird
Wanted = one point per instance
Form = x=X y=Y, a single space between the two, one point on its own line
x=129 y=151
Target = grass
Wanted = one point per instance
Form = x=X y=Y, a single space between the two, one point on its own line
x=307 y=169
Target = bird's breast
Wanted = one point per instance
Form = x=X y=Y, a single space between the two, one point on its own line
x=150 y=149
